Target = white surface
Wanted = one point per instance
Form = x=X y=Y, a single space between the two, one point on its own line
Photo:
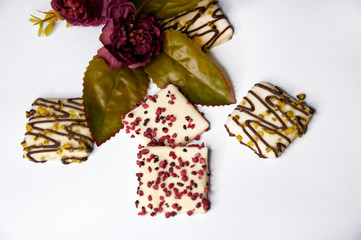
x=312 y=192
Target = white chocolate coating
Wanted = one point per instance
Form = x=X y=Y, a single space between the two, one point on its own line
x=268 y=120
x=57 y=131
x=173 y=180
x=166 y=119
x=206 y=25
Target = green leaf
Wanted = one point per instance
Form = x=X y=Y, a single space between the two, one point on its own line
x=109 y=93
x=164 y=9
x=185 y=65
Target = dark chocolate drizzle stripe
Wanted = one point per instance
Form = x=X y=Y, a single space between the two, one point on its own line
x=55 y=145
x=278 y=94
x=70 y=134
x=73 y=103
x=34 y=121
x=193 y=33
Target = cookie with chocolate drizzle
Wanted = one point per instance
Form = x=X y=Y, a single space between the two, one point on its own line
x=206 y=25
x=57 y=131
x=268 y=120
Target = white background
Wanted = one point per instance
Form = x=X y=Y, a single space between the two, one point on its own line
x=312 y=192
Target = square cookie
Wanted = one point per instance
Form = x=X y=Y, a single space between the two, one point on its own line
x=206 y=25
x=268 y=120
x=173 y=180
x=57 y=131
x=165 y=119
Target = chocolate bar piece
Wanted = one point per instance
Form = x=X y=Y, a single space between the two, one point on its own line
x=173 y=180
x=165 y=119
x=206 y=25
x=57 y=131
x=268 y=120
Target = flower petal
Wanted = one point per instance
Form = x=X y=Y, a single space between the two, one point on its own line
x=107 y=32
x=109 y=58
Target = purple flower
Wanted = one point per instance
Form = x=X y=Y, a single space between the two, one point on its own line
x=82 y=12
x=120 y=10
x=128 y=43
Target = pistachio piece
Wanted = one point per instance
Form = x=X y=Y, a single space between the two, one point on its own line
x=55 y=126
x=271 y=132
x=239 y=138
x=281 y=104
x=29 y=128
x=301 y=96
x=67 y=146
x=289 y=114
x=42 y=111
x=289 y=130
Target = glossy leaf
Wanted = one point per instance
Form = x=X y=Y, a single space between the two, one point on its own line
x=164 y=9
x=109 y=93
x=185 y=65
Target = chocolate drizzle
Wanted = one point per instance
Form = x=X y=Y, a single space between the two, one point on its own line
x=46 y=136
x=208 y=28
x=283 y=122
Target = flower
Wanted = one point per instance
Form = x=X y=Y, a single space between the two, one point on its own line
x=82 y=12
x=120 y=10
x=128 y=43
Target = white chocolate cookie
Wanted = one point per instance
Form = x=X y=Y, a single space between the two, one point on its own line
x=57 y=131
x=165 y=119
x=268 y=120
x=206 y=25
x=173 y=180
